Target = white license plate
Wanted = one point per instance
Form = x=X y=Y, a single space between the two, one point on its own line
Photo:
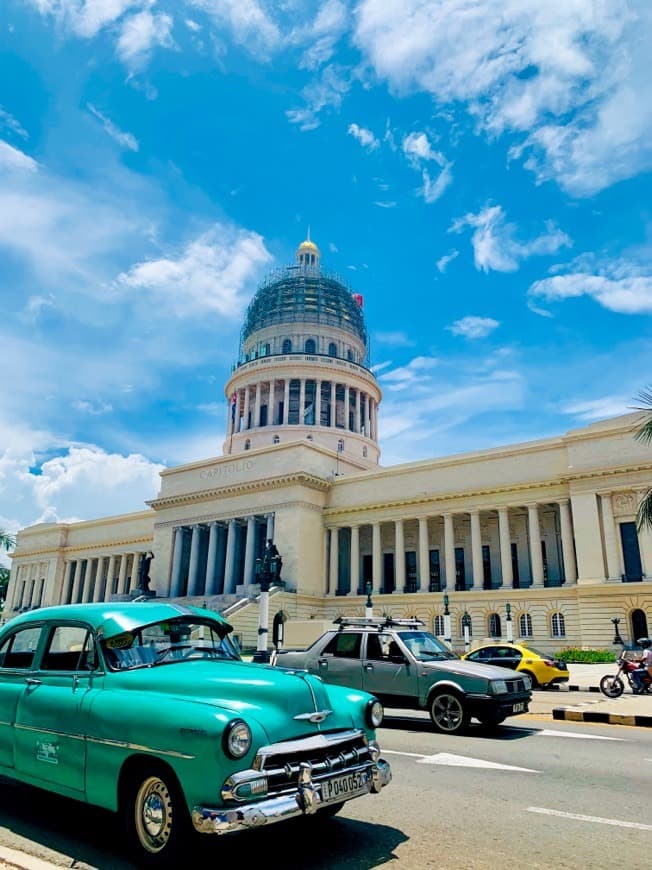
x=518 y=708
x=341 y=788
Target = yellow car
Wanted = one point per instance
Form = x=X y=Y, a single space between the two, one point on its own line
x=543 y=669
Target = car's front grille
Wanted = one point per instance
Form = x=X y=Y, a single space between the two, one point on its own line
x=327 y=754
x=517 y=685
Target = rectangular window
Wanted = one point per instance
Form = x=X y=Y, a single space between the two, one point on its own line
x=544 y=559
x=486 y=567
x=460 y=571
x=388 y=573
x=410 y=571
x=435 y=572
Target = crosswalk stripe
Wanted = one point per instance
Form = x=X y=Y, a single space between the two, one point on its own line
x=580 y=818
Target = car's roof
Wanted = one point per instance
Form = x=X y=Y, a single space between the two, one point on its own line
x=115 y=617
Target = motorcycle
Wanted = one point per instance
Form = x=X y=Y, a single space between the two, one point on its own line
x=614 y=685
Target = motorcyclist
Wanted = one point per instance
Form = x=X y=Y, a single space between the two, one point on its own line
x=641 y=675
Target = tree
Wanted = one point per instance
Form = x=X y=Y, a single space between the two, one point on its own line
x=7 y=542
x=644 y=434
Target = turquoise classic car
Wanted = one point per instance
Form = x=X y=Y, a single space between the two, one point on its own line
x=147 y=709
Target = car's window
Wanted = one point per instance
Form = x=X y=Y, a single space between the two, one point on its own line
x=344 y=645
x=506 y=652
x=70 y=648
x=425 y=646
x=18 y=650
x=171 y=641
x=481 y=655
x=379 y=647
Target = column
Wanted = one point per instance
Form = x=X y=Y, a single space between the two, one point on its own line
x=334 y=561
x=245 y=425
x=249 y=552
x=357 y=411
x=567 y=548
x=325 y=562
x=610 y=545
x=375 y=420
x=376 y=559
x=346 y=407
x=505 y=548
x=271 y=417
x=269 y=533
x=229 y=566
x=399 y=556
x=355 y=559
x=99 y=580
x=135 y=566
x=302 y=401
x=122 y=579
x=644 y=540
x=211 y=561
x=193 y=567
x=333 y=404
x=449 y=552
x=423 y=579
x=476 y=551
x=76 y=586
x=588 y=538
x=177 y=556
x=367 y=417
x=257 y=406
x=110 y=571
x=232 y=415
x=286 y=402
x=317 y=403
x=536 y=559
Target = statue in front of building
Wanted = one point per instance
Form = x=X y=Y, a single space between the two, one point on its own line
x=143 y=576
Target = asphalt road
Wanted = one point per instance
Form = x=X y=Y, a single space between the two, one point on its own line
x=534 y=794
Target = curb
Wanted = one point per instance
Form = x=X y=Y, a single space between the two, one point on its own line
x=24 y=861
x=604 y=718
x=565 y=687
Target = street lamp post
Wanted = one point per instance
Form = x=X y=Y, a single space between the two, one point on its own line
x=447 y=622
x=617 y=638
x=268 y=573
x=466 y=628
x=369 y=606
x=509 y=626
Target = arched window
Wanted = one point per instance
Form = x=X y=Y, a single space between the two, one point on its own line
x=332 y=349
x=275 y=439
x=438 y=626
x=525 y=625
x=265 y=349
x=469 y=623
x=494 y=626
x=639 y=624
x=287 y=346
x=557 y=625
x=310 y=347
x=247 y=444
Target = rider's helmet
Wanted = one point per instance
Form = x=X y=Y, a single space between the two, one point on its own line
x=644 y=642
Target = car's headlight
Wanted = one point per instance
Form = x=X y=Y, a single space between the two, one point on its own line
x=374 y=713
x=528 y=681
x=498 y=687
x=237 y=738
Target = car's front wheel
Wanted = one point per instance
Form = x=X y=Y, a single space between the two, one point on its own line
x=155 y=816
x=448 y=712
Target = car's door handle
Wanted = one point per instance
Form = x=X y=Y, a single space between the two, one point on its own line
x=322 y=663
x=32 y=681
x=368 y=667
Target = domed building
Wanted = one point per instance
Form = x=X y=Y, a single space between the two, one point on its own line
x=536 y=540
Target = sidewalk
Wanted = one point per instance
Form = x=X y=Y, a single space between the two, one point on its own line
x=629 y=709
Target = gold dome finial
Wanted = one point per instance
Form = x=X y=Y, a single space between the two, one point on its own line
x=308 y=254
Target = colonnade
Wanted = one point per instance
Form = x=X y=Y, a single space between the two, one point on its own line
x=429 y=572
x=305 y=401
x=28 y=589
x=214 y=558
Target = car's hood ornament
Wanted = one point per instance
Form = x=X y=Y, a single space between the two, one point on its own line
x=316 y=717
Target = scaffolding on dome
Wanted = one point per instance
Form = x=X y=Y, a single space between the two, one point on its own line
x=298 y=294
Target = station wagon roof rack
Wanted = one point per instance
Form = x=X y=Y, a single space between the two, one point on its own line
x=378 y=622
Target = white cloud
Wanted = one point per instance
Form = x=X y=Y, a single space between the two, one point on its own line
x=419 y=151
x=364 y=136
x=572 y=77
x=597 y=409
x=86 y=18
x=125 y=140
x=387 y=203
x=495 y=246
x=433 y=188
x=396 y=339
x=326 y=92
x=443 y=262
x=10 y=123
x=140 y=34
x=623 y=286
x=417 y=147
x=332 y=247
x=247 y=21
x=12 y=159
x=473 y=327
x=211 y=274
x=410 y=374
x=93 y=408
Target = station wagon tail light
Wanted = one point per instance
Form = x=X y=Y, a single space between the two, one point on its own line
x=237 y=738
x=374 y=713
x=498 y=687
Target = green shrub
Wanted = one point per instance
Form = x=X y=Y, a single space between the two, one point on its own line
x=586 y=656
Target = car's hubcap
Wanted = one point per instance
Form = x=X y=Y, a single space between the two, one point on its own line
x=448 y=712
x=153 y=814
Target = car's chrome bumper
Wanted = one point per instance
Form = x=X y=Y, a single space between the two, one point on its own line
x=304 y=800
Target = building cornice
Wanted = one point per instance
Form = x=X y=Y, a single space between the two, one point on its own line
x=97 y=548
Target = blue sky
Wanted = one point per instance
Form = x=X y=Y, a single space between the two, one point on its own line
x=479 y=170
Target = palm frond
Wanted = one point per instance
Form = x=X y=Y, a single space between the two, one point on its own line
x=7 y=541
x=644 y=432
x=644 y=514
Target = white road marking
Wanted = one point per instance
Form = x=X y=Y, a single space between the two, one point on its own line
x=451 y=760
x=409 y=754
x=615 y=822
x=548 y=732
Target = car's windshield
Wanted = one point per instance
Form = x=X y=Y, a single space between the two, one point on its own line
x=173 y=640
x=425 y=646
